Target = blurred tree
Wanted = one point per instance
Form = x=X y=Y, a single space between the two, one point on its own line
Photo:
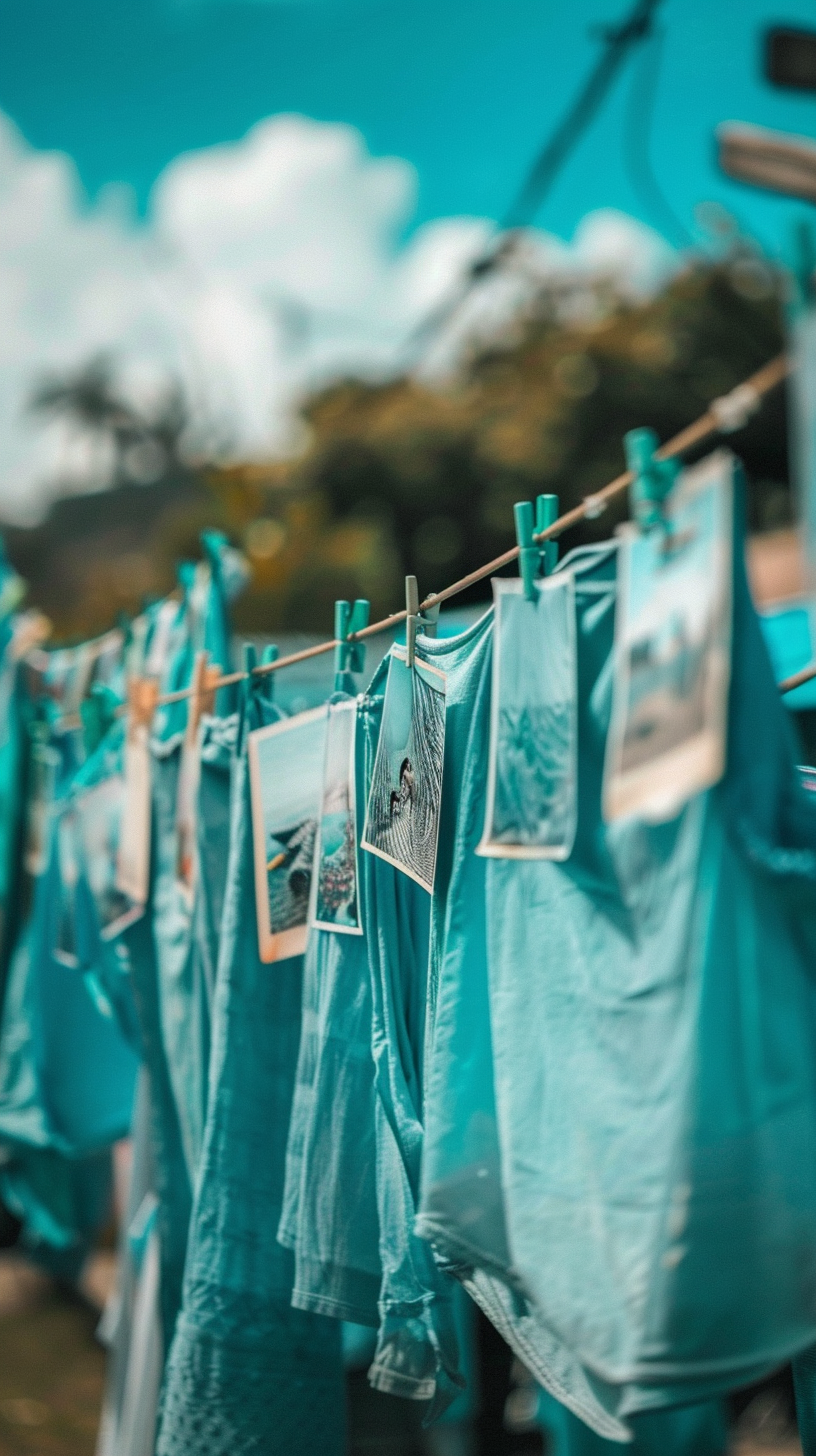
x=408 y=477
x=428 y=476
x=145 y=445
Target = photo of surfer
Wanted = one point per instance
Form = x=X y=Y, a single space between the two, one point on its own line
x=402 y=822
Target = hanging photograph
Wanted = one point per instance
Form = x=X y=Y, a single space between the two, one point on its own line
x=99 y=816
x=65 y=949
x=286 y=780
x=402 y=818
x=133 y=855
x=672 y=655
x=335 y=900
x=531 y=809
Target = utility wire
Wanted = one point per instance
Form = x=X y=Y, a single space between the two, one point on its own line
x=637 y=140
x=617 y=40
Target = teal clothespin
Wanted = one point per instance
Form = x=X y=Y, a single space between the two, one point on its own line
x=529 y=557
x=97 y=713
x=653 y=478
x=349 y=656
x=269 y=654
x=535 y=558
x=261 y=682
x=416 y=621
x=249 y=658
x=185 y=576
x=546 y=515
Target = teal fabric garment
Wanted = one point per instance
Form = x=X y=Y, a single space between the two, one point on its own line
x=62 y=1204
x=698 y=1430
x=185 y=931
x=13 y=773
x=172 y=1179
x=170 y=956
x=130 y=1326
x=66 y=1072
x=329 y=1213
x=102 y=963
x=417 y=1353
x=461 y=1211
x=804 y=1381
x=653 y=1020
x=247 y=1373
x=66 y=1088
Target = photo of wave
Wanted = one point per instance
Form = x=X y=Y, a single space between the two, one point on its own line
x=289 y=868
x=336 y=898
x=286 y=775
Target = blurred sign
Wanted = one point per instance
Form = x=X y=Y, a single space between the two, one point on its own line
x=790 y=636
x=790 y=58
x=769 y=159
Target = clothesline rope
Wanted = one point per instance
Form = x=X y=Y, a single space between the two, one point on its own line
x=723 y=415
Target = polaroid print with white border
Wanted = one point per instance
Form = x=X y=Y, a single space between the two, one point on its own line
x=672 y=654
x=404 y=801
x=286 y=785
x=133 y=854
x=336 y=892
x=532 y=798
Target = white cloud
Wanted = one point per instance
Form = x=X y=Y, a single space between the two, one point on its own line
x=264 y=267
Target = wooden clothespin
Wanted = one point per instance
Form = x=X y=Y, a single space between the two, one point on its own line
x=30 y=629
x=142 y=699
x=349 y=656
x=417 y=621
x=202 y=698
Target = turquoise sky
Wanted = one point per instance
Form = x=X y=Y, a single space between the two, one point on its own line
x=464 y=89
